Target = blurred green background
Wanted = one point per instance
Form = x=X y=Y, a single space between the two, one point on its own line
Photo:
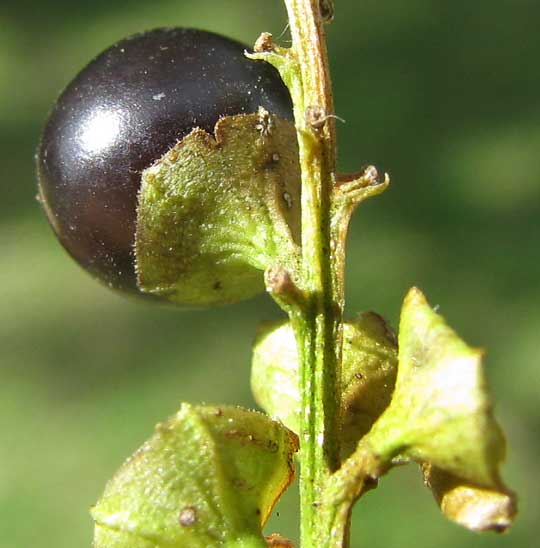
x=443 y=95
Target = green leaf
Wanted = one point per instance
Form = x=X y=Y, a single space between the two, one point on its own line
x=274 y=373
x=208 y=477
x=440 y=412
x=368 y=375
x=369 y=372
x=215 y=211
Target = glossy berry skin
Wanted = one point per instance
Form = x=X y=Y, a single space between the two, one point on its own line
x=127 y=108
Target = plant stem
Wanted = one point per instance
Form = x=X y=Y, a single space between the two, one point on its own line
x=318 y=330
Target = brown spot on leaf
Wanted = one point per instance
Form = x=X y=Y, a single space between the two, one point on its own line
x=188 y=516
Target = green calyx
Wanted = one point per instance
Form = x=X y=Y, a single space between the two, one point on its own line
x=440 y=411
x=368 y=375
x=208 y=477
x=441 y=417
x=217 y=210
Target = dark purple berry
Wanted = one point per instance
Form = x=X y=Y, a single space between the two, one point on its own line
x=123 y=112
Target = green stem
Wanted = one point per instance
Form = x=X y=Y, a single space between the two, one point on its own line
x=345 y=487
x=314 y=300
x=318 y=329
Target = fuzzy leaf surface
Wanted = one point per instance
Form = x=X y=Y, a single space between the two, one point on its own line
x=440 y=413
x=216 y=210
x=208 y=477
